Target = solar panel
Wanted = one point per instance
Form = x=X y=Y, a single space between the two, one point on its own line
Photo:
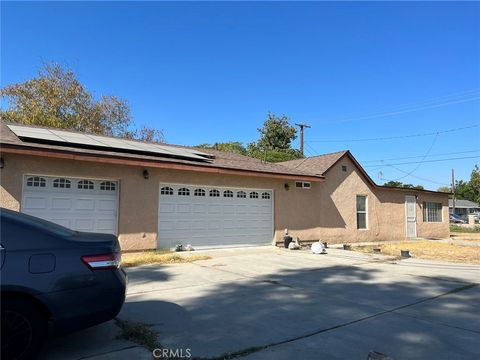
x=72 y=138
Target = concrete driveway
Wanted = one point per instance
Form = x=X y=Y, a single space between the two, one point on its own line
x=267 y=303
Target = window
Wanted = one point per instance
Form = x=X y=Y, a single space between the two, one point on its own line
x=228 y=193
x=253 y=195
x=107 y=186
x=61 y=183
x=36 y=181
x=432 y=212
x=241 y=194
x=265 y=195
x=344 y=168
x=85 y=185
x=361 y=212
x=214 y=193
x=199 y=192
x=166 y=191
x=302 y=185
x=184 y=192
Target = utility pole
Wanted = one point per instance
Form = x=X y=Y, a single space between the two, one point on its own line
x=453 y=191
x=302 y=126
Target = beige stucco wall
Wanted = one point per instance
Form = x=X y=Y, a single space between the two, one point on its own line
x=326 y=211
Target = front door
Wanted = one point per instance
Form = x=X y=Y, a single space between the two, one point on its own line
x=411 y=216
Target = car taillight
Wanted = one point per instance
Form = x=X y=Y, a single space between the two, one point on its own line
x=102 y=262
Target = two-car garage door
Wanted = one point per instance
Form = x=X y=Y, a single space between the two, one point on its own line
x=79 y=204
x=214 y=216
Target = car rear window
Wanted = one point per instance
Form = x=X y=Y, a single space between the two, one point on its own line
x=40 y=224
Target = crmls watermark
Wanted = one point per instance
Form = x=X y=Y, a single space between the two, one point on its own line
x=172 y=353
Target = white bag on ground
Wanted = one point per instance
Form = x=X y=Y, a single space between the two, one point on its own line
x=318 y=248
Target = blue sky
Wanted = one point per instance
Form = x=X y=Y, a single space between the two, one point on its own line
x=210 y=72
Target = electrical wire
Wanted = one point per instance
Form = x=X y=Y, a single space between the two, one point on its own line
x=426 y=161
x=400 y=136
x=419 y=156
x=471 y=95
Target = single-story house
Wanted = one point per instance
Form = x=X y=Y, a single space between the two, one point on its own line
x=157 y=196
x=464 y=208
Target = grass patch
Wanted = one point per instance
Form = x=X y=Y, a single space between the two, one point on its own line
x=153 y=257
x=428 y=249
x=464 y=229
x=138 y=333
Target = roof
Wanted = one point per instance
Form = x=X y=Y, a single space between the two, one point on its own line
x=224 y=162
x=463 y=204
x=323 y=163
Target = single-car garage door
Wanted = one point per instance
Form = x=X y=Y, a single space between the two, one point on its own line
x=214 y=216
x=79 y=204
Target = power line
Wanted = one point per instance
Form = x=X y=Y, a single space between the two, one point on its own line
x=471 y=95
x=421 y=161
x=401 y=136
x=418 y=177
x=419 y=156
x=425 y=161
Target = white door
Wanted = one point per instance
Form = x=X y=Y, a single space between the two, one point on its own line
x=411 y=216
x=79 y=204
x=213 y=216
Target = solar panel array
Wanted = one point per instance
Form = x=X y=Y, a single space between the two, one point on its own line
x=72 y=138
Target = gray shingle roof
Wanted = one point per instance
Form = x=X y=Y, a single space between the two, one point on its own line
x=463 y=204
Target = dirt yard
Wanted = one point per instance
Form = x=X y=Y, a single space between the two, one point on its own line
x=428 y=249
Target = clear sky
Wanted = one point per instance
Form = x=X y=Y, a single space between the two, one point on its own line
x=210 y=72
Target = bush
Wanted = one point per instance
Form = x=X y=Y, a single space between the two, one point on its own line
x=464 y=229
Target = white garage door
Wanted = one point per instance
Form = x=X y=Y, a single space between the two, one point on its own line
x=79 y=204
x=213 y=216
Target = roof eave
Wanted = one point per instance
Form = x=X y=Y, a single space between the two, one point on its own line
x=112 y=159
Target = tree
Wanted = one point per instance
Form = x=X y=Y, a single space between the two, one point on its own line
x=275 y=143
x=231 y=146
x=469 y=190
x=399 y=184
x=445 y=189
x=56 y=98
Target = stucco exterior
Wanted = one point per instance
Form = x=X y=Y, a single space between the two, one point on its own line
x=326 y=211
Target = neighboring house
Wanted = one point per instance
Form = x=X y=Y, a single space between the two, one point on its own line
x=157 y=196
x=464 y=208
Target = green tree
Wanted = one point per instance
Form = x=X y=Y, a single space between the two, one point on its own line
x=399 y=184
x=275 y=143
x=231 y=146
x=445 y=189
x=469 y=190
x=56 y=98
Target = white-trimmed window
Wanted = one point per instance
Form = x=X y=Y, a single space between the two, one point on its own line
x=303 y=185
x=62 y=183
x=36 y=181
x=432 y=212
x=199 y=192
x=108 y=186
x=166 y=190
x=214 y=193
x=253 y=195
x=228 y=193
x=241 y=194
x=85 y=185
x=265 y=195
x=184 y=192
x=362 y=222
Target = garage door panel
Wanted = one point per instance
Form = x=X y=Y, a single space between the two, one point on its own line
x=61 y=204
x=85 y=209
x=35 y=202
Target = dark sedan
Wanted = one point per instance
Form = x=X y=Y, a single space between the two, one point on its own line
x=53 y=281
